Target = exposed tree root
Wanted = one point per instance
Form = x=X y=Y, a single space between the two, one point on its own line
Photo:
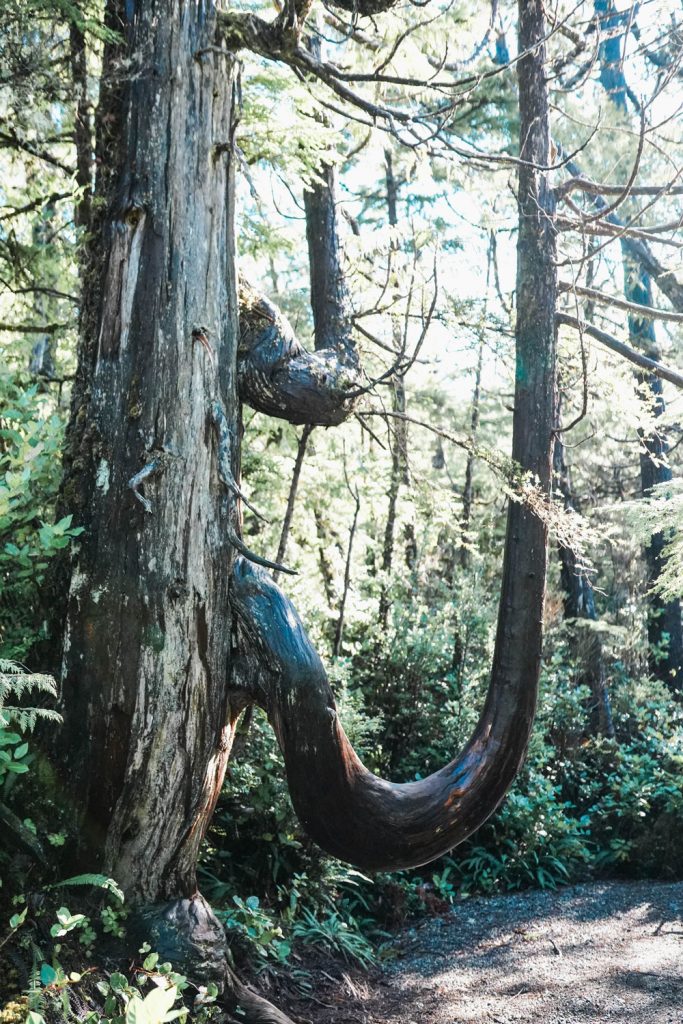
x=188 y=934
x=246 y=1007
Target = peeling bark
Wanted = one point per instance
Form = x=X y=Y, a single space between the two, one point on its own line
x=147 y=720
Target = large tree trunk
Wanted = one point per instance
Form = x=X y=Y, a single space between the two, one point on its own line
x=148 y=724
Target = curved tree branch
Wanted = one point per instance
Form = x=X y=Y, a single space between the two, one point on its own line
x=350 y=812
x=276 y=374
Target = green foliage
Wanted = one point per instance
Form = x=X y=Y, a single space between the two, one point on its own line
x=661 y=513
x=15 y=684
x=30 y=444
x=332 y=934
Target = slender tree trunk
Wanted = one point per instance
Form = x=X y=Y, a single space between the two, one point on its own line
x=467 y=493
x=399 y=443
x=339 y=630
x=291 y=499
x=579 y=607
x=326 y=568
x=83 y=140
x=664 y=626
x=148 y=720
x=329 y=295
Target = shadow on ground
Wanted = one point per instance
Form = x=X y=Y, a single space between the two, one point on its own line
x=607 y=952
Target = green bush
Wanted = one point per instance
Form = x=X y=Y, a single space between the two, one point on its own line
x=31 y=434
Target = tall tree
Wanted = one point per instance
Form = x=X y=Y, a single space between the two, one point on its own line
x=664 y=626
x=151 y=686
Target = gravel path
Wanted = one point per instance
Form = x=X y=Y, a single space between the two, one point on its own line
x=590 y=953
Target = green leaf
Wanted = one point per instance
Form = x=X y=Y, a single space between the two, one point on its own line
x=100 y=881
x=136 y=1012
x=16 y=920
x=118 y=981
x=21 y=751
x=157 y=1005
x=48 y=974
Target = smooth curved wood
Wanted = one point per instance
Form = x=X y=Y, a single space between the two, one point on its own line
x=276 y=374
x=350 y=812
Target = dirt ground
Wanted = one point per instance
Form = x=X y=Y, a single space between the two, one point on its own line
x=590 y=953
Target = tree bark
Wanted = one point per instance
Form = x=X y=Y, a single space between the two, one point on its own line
x=349 y=811
x=147 y=718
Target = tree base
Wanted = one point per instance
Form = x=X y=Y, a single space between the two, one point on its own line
x=187 y=933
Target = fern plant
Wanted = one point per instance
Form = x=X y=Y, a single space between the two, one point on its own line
x=16 y=682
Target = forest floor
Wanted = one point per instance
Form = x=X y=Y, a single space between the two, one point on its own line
x=601 y=952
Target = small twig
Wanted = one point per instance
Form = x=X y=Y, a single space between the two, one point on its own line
x=224 y=446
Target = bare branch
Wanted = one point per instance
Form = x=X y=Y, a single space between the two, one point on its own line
x=609 y=341
x=646 y=312
x=32 y=328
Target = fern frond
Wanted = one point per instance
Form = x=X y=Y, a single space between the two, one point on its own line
x=15 y=683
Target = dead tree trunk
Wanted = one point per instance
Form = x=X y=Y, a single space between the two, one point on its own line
x=399 y=434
